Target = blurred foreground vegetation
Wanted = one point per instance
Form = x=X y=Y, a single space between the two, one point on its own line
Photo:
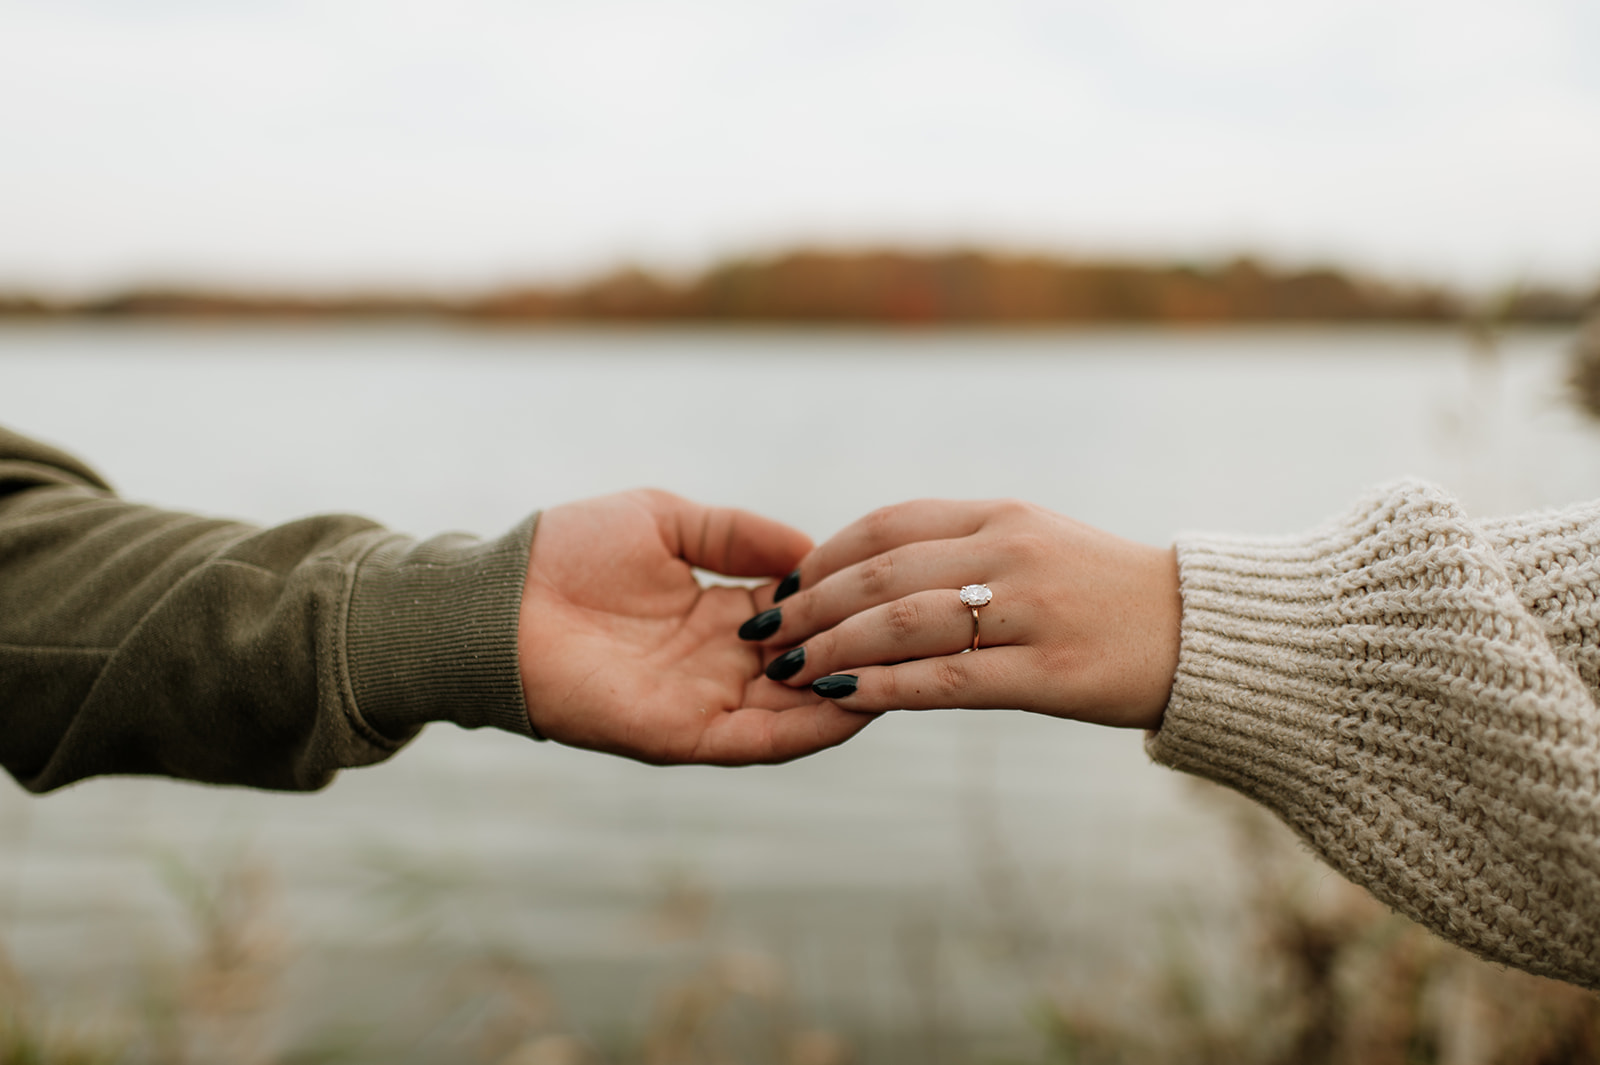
x=1323 y=975
x=962 y=287
x=1584 y=376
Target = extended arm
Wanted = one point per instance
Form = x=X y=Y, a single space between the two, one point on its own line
x=138 y=640
x=1414 y=692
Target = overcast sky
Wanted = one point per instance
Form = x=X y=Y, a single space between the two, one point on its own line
x=469 y=142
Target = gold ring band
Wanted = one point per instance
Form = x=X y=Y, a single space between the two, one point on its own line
x=973 y=596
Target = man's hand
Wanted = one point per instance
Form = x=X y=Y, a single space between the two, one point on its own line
x=622 y=650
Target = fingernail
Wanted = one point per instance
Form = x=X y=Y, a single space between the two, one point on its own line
x=762 y=625
x=787 y=664
x=787 y=587
x=838 y=686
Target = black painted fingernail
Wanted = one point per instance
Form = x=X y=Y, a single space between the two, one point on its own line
x=787 y=664
x=762 y=625
x=787 y=587
x=838 y=686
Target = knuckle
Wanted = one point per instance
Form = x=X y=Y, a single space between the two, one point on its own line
x=805 y=612
x=653 y=497
x=1063 y=662
x=949 y=676
x=877 y=574
x=1027 y=548
x=878 y=524
x=886 y=688
x=1012 y=510
x=799 y=616
x=1057 y=662
x=821 y=651
x=903 y=620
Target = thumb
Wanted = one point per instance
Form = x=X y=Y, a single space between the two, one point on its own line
x=725 y=540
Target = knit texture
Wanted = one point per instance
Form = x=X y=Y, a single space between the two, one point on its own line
x=1414 y=693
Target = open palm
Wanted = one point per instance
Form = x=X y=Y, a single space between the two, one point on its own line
x=622 y=650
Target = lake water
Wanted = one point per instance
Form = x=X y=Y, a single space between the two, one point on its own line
x=933 y=876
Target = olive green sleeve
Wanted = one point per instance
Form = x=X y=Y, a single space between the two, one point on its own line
x=139 y=640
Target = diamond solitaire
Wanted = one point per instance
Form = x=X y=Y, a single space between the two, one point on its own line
x=976 y=595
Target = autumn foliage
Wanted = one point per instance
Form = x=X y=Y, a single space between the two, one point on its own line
x=888 y=287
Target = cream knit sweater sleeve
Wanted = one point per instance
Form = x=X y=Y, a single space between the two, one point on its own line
x=1414 y=692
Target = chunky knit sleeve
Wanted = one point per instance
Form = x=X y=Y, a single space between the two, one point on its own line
x=1414 y=692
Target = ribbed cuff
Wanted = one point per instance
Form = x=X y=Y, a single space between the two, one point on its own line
x=1263 y=662
x=1255 y=658
x=433 y=633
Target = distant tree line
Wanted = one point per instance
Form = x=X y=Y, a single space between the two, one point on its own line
x=892 y=287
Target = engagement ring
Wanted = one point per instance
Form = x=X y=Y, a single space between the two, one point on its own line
x=974 y=596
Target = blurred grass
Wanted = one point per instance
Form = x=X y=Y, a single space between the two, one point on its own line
x=1330 y=978
x=1584 y=374
x=1323 y=975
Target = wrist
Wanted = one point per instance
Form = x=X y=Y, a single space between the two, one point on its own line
x=1162 y=637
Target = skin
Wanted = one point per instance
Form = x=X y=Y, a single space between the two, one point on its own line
x=621 y=649
x=1083 y=624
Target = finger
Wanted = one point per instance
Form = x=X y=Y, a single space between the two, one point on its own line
x=926 y=625
x=765 y=694
x=892 y=527
x=752 y=736
x=989 y=678
x=724 y=540
x=884 y=578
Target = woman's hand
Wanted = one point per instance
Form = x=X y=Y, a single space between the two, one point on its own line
x=623 y=651
x=1082 y=625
